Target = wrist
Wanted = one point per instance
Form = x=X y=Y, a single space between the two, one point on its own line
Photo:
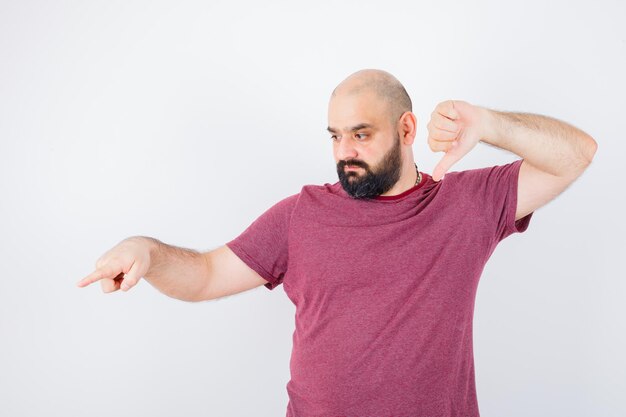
x=153 y=247
x=491 y=127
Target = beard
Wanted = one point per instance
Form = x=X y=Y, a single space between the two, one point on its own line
x=374 y=182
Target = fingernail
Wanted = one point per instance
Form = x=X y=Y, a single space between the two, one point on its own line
x=125 y=287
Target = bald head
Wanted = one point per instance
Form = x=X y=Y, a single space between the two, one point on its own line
x=383 y=85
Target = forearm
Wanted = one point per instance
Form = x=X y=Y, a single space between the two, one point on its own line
x=177 y=272
x=546 y=143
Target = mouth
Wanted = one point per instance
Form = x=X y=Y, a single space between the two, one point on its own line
x=351 y=168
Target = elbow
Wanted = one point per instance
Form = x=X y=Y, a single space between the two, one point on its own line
x=591 y=146
x=186 y=297
x=585 y=152
x=191 y=298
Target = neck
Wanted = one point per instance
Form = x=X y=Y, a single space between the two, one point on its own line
x=407 y=180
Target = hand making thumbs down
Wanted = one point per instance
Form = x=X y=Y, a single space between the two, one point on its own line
x=455 y=127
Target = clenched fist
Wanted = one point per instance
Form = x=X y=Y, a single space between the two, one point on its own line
x=122 y=266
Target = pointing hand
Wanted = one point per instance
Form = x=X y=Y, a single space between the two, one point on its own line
x=122 y=266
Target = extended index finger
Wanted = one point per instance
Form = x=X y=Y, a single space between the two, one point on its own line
x=98 y=274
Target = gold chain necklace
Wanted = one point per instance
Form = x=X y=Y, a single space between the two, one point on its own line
x=419 y=175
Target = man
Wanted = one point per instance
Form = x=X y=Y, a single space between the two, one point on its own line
x=383 y=265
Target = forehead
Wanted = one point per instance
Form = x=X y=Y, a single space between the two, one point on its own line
x=346 y=110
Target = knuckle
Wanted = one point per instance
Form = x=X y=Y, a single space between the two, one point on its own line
x=106 y=269
x=107 y=285
x=114 y=259
x=437 y=135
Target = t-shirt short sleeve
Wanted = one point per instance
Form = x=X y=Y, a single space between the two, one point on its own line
x=263 y=245
x=494 y=190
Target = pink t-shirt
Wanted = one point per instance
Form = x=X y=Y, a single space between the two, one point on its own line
x=384 y=290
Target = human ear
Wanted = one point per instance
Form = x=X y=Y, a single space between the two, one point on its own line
x=407 y=127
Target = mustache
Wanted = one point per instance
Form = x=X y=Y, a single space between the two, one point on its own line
x=351 y=162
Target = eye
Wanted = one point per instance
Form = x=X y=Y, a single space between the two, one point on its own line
x=361 y=136
x=333 y=137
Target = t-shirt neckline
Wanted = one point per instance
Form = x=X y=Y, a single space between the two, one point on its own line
x=404 y=193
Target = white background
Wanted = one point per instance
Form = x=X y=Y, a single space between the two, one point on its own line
x=186 y=120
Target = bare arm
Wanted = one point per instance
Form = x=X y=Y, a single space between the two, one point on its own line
x=189 y=275
x=554 y=153
x=181 y=273
x=175 y=271
x=551 y=145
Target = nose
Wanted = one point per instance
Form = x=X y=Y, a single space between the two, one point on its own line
x=345 y=149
